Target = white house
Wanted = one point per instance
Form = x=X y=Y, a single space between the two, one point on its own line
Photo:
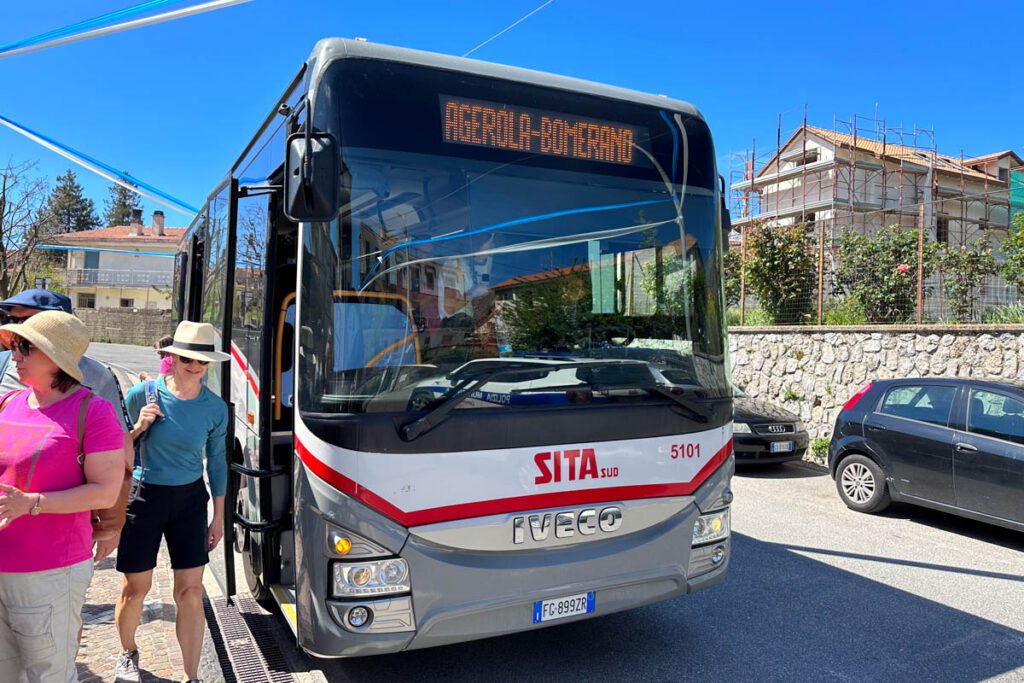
x=126 y=266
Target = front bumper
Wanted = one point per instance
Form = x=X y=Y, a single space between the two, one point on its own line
x=460 y=595
x=756 y=448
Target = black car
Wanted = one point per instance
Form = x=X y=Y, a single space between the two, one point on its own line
x=765 y=433
x=951 y=444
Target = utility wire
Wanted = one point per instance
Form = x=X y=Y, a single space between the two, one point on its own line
x=86 y=24
x=102 y=169
x=508 y=28
x=127 y=26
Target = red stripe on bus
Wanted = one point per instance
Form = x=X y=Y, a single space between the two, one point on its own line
x=449 y=513
x=245 y=370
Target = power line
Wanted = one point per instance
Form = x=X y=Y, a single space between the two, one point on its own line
x=127 y=26
x=508 y=28
x=105 y=170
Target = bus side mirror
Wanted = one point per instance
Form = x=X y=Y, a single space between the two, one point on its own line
x=311 y=177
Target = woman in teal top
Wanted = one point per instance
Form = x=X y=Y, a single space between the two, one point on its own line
x=180 y=420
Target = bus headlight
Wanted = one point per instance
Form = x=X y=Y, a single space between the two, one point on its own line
x=380 y=577
x=712 y=527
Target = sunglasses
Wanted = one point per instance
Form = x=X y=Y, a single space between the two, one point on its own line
x=189 y=361
x=8 y=319
x=23 y=346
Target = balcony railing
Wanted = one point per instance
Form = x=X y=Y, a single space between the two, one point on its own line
x=78 y=277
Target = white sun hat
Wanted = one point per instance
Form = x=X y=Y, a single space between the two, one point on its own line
x=196 y=340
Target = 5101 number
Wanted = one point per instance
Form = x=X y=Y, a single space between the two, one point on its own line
x=685 y=450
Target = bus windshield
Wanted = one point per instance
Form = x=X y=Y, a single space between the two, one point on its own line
x=497 y=261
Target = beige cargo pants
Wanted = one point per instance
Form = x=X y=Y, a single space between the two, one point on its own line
x=40 y=614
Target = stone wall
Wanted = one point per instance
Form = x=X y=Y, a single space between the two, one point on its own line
x=126 y=325
x=813 y=371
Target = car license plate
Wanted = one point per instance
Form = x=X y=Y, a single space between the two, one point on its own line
x=559 y=608
x=782 y=446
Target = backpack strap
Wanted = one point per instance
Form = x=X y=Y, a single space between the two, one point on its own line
x=7 y=397
x=82 y=408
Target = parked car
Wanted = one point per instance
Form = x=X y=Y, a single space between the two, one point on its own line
x=765 y=433
x=951 y=444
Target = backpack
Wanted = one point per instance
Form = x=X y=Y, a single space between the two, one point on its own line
x=107 y=523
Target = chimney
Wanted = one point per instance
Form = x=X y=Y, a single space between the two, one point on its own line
x=136 y=224
x=158 y=223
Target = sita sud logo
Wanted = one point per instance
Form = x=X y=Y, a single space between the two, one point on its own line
x=570 y=465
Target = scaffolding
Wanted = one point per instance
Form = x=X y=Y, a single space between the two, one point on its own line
x=863 y=174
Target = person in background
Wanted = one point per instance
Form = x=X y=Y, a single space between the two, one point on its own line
x=166 y=360
x=61 y=456
x=179 y=420
x=96 y=376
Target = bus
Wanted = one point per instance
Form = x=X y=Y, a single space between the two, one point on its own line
x=479 y=367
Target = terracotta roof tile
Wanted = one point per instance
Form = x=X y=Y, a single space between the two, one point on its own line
x=121 y=233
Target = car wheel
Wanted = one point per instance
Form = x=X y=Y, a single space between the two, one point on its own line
x=861 y=484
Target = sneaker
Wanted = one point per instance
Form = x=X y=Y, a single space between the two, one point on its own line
x=127 y=668
x=194 y=680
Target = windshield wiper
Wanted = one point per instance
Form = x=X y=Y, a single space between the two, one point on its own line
x=695 y=411
x=420 y=426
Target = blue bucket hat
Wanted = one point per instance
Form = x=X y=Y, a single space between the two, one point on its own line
x=39 y=299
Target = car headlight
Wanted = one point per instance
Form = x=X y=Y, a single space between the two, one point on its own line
x=740 y=428
x=377 y=577
x=800 y=426
x=712 y=527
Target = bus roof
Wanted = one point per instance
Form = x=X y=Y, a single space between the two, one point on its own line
x=331 y=49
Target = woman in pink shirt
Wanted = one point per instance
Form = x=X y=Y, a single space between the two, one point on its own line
x=51 y=476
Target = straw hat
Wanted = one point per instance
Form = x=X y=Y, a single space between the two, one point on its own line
x=61 y=337
x=196 y=340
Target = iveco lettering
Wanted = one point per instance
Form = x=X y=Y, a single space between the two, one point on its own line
x=476 y=322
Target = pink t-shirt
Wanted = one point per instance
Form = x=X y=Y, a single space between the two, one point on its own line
x=166 y=365
x=50 y=541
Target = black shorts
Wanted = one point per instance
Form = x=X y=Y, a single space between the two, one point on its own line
x=177 y=513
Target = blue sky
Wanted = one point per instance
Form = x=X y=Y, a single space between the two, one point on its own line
x=174 y=104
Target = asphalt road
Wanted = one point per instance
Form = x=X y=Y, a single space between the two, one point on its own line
x=126 y=357
x=814 y=592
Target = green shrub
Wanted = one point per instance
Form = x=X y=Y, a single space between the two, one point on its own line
x=820 y=447
x=848 y=311
x=881 y=271
x=782 y=272
x=963 y=268
x=1010 y=314
x=757 y=317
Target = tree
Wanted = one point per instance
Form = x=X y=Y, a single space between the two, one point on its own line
x=117 y=209
x=881 y=272
x=963 y=268
x=782 y=272
x=22 y=198
x=67 y=209
x=732 y=265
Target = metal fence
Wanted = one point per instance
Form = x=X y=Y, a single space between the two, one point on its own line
x=118 y=278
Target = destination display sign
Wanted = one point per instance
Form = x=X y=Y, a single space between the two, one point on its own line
x=501 y=126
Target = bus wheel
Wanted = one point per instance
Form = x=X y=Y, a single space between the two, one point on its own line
x=251 y=569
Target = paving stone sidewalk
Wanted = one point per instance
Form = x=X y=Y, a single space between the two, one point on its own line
x=160 y=656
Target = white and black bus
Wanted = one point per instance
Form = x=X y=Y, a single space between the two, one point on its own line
x=479 y=369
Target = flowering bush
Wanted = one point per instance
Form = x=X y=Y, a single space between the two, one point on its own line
x=881 y=272
x=963 y=269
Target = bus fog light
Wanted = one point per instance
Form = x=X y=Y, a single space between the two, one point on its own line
x=718 y=554
x=359 y=616
x=712 y=527
x=381 y=577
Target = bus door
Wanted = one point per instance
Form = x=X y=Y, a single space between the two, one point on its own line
x=261 y=465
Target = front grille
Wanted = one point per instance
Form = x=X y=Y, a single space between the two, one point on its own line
x=769 y=429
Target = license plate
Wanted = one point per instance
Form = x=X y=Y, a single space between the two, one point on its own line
x=559 y=608
x=782 y=446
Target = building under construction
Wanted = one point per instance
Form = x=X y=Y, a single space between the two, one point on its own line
x=861 y=175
